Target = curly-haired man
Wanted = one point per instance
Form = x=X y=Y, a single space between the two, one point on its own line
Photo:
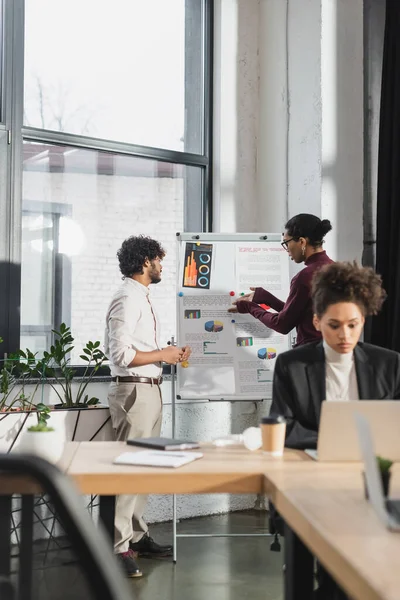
x=132 y=345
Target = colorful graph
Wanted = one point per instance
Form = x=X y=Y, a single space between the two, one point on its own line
x=263 y=375
x=244 y=341
x=266 y=353
x=197 y=265
x=190 y=275
x=214 y=326
x=192 y=314
x=211 y=348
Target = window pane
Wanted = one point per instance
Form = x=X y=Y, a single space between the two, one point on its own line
x=37 y=266
x=78 y=206
x=1 y=59
x=130 y=70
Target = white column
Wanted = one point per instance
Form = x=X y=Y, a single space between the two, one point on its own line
x=304 y=77
x=342 y=126
x=289 y=116
x=272 y=139
x=236 y=100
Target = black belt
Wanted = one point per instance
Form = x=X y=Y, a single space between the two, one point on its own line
x=137 y=379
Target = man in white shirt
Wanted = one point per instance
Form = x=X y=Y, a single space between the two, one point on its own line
x=132 y=345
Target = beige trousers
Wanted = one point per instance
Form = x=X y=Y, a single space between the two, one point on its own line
x=136 y=411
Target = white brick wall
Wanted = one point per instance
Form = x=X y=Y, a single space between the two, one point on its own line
x=107 y=209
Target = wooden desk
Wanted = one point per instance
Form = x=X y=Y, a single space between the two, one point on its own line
x=221 y=470
x=324 y=505
x=16 y=484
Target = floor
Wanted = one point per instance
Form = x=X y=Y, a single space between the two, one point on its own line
x=230 y=568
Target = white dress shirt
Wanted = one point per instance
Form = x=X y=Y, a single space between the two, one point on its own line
x=340 y=375
x=131 y=325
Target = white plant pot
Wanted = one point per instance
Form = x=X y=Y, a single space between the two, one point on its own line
x=46 y=444
x=91 y=424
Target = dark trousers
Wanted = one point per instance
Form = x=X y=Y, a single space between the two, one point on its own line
x=327 y=587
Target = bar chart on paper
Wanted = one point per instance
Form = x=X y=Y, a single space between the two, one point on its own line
x=190 y=276
x=244 y=341
x=192 y=314
x=213 y=348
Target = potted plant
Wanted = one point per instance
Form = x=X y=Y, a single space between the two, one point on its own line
x=25 y=427
x=384 y=465
x=21 y=376
x=42 y=440
x=56 y=365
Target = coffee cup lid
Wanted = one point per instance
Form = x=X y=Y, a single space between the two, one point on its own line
x=273 y=420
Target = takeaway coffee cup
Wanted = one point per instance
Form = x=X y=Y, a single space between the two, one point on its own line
x=273 y=429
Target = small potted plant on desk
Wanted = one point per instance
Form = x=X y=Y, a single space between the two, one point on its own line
x=384 y=465
x=42 y=440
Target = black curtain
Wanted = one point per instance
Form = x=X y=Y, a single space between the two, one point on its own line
x=386 y=326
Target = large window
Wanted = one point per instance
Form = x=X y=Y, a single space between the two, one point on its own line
x=89 y=202
x=115 y=70
x=106 y=135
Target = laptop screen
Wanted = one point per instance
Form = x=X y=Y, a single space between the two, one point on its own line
x=373 y=480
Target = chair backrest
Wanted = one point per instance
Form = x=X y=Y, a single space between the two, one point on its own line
x=90 y=543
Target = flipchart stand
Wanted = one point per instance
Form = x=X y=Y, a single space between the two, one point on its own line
x=175 y=535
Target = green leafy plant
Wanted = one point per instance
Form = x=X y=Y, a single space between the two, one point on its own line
x=42 y=418
x=57 y=364
x=7 y=383
x=16 y=372
x=384 y=464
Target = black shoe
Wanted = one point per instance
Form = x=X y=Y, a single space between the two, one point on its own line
x=128 y=564
x=148 y=547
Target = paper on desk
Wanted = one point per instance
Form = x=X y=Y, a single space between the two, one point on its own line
x=157 y=458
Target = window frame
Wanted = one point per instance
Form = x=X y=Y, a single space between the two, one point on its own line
x=11 y=89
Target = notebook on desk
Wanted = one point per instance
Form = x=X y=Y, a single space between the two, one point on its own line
x=387 y=510
x=161 y=443
x=157 y=458
x=337 y=435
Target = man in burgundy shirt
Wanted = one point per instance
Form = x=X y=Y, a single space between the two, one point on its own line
x=302 y=240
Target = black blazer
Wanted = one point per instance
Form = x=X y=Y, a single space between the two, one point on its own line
x=299 y=386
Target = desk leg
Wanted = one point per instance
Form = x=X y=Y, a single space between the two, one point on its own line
x=107 y=514
x=299 y=573
x=5 y=536
x=26 y=550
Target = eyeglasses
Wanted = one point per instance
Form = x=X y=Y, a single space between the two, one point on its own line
x=285 y=243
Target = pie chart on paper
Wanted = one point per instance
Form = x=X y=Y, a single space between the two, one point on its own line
x=213 y=326
x=266 y=353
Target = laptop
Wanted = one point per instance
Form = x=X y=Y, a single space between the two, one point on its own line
x=337 y=436
x=387 y=510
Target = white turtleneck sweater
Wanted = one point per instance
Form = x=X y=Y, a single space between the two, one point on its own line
x=340 y=375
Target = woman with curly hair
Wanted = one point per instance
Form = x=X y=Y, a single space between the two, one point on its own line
x=339 y=367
